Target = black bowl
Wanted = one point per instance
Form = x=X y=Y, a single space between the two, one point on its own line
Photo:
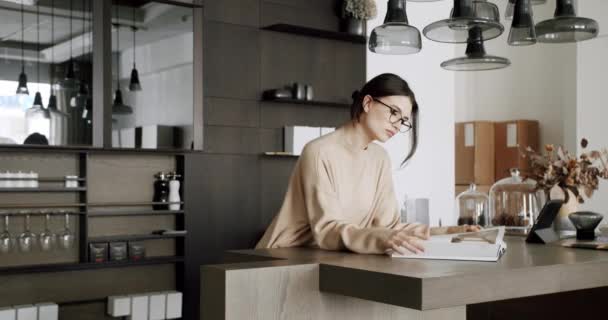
x=585 y=223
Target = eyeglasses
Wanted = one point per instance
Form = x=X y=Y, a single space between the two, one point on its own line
x=405 y=126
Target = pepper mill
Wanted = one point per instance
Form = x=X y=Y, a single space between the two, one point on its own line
x=161 y=191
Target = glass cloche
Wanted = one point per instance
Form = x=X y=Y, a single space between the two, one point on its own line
x=473 y=207
x=515 y=203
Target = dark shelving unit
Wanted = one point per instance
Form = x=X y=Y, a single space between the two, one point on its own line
x=317 y=33
x=62 y=267
x=135 y=237
x=135 y=213
x=309 y=102
x=42 y=189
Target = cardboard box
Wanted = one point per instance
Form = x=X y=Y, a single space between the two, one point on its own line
x=512 y=137
x=475 y=153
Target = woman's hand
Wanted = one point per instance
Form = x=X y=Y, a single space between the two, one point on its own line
x=408 y=239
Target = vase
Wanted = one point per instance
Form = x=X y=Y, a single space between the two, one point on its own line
x=562 y=223
x=353 y=26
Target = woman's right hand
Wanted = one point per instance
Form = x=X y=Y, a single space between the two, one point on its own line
x=403 y=241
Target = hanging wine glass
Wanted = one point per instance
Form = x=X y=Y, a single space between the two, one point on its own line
x=47 y=237
x=6 y=240
x=66 y=238
x=27 y=239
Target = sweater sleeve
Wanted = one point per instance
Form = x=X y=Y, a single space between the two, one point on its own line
x=330 y=229
x=387 y=208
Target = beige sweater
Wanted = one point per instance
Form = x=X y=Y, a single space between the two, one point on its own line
x=339 y=197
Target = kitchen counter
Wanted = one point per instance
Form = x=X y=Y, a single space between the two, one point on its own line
x=274 y=284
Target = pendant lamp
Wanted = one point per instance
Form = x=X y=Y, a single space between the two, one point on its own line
x=523 y=32
x=52 y=106
x=134 y=84
x=466 y=15
x=38 y=105
x=118 y=106
x=80 y=99
x=510 y=10
x=70 y=83
x=395 y=36
x=476 y=58
x=566 y=26
x=22 y=86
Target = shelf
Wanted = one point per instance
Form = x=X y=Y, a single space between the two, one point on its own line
x=42 y=205
x=61 y=267
x=76 y=205
x=43 y=180
x=44 y=189
x=317 y=33
x=135 y=213
x=135 y=237
x=309 y=102
x=130 y=204
x=281 y=154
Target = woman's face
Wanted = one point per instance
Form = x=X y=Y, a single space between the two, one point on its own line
x=385 y=117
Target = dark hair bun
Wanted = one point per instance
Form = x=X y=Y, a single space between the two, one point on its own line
x=356 y=95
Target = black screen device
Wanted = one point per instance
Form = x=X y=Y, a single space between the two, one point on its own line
x=542 y=231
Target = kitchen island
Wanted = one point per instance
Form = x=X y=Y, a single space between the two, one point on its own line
x=302 y=283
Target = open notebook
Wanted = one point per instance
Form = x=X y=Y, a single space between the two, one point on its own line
x=485 y=245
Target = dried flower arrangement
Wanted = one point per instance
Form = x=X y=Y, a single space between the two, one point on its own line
x=557 y=167
x=359 y=9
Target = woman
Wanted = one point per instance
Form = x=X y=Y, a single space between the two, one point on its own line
x=340 y=195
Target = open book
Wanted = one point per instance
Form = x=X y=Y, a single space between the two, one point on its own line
x=485 y=245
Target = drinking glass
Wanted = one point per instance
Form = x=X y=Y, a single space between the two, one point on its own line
x=66 y=237
x=47 y=237
x=27 y=239
x=6 y=240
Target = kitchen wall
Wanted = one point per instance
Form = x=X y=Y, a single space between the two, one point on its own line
x=165 y=72
x=539 y=85
x=431 y=172
x=591 y=111
x=240 y=189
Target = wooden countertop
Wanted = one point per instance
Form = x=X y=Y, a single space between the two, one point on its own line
x=525 y=270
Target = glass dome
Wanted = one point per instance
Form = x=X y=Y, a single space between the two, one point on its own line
x=473 y=207
x=515 y=203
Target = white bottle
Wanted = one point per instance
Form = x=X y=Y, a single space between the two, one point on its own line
x=20 y=182
x=10 y=179
x=33 y=180
x=174 y=185
x=4 y=179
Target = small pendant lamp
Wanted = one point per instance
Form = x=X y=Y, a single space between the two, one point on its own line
x=476 y=58
x=466 y=15
x=22 y=86
x=134 y=84
x=566 y=26
x=396 y=36
x=118 y=106
x=523 y=32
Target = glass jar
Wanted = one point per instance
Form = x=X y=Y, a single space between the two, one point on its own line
x=473 y=207
x=515 y=203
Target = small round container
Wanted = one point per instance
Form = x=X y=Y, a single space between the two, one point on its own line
x=71 y=181
x=473 y=207
x=515 y=203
